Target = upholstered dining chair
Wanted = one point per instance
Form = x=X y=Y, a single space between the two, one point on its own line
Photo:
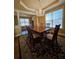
x=57 y=51
x=33 y=42
x=52 y=45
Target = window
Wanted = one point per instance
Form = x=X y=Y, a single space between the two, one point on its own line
x=24 y=21
x=54 y=18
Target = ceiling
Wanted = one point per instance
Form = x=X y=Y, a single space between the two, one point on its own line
x=37 y=4
x=34 y=5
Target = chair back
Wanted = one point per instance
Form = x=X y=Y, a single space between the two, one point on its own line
x=55 y=34
x=30 y=36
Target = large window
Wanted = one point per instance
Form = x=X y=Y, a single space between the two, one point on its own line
x=54 y=18
x=24 y=21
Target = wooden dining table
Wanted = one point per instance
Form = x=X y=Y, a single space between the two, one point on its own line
x=41 y=31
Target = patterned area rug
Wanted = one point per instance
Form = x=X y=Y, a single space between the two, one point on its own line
x=25 y=51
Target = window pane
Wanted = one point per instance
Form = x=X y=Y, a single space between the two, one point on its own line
x=24 y=21
x=27 y=22
x=49 y=20
x=57 y=17
x=21 y=20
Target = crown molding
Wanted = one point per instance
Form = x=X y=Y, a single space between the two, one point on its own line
x=25 y=12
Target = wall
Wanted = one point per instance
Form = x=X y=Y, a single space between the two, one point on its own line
x=17 y=28
x=15 y=20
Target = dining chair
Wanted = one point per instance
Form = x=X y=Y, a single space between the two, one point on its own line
x=56 y=46
x=33 y=42
x=52 y=45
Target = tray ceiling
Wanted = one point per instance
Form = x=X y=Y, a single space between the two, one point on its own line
x=37 y=4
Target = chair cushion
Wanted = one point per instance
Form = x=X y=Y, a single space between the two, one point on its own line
x=49 y=36
x=35 y=35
